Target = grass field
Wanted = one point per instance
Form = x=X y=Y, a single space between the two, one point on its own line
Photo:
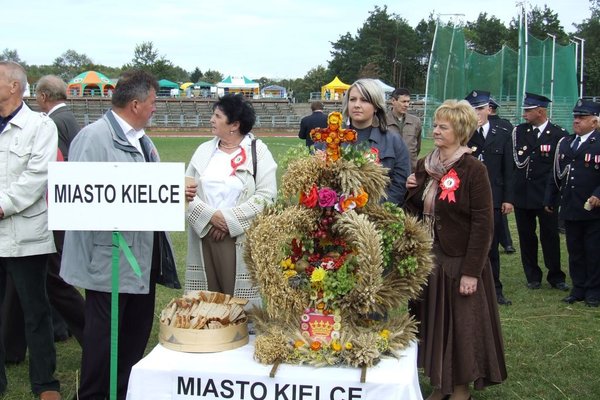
x=552 y=349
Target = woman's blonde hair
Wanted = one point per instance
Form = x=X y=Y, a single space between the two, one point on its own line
x=461 y=115
x=373 y=93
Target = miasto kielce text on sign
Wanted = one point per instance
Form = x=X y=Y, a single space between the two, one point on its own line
x=116 y=196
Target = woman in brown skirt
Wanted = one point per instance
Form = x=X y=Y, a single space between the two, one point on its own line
x=459 y=331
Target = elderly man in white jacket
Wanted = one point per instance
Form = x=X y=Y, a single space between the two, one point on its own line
x=28 y=141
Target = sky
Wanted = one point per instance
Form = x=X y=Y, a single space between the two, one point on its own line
x=278 y=39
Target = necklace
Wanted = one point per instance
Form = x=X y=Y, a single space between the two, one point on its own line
x=228 y=147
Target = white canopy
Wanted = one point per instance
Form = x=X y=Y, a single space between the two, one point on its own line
x=386 y=88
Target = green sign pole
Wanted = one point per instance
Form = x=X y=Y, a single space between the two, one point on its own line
x=118 y=244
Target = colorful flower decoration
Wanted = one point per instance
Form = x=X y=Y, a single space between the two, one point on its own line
x=329 y=259
x=333 y=136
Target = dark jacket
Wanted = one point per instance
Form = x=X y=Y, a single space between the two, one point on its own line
x=463 y=228
x=580 y=182
x=501 y=122
x=67 y=127
x=393 y=154
x=495 y=151
x=534 y=158
x=318 y=119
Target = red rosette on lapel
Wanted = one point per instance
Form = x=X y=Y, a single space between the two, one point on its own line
x=373 y=155
x=237 y=160
x=449 y=183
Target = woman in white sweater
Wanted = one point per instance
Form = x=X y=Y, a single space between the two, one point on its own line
x=236 y=178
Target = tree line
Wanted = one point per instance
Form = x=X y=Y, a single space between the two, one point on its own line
x=384 y=47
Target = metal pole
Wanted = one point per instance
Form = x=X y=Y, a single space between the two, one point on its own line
x=526 y=50
x=449 y=60
x=552 y=73
x=519 y=64
x=428 y=72
x=581 y=66
x=576 y=53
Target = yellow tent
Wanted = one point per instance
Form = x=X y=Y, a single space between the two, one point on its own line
x=334 y=90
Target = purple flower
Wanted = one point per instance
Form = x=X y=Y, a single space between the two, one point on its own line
x=327 y=197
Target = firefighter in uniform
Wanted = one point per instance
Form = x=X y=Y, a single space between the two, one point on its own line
x=577 y=177
x=534 y=144
x=491 y=144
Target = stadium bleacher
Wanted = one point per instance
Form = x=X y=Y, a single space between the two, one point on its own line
x=183 y=114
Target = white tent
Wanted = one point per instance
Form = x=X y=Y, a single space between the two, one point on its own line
x=238 y=84
x=386 y=88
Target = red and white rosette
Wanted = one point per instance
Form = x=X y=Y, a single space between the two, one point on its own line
x=237 y=160
x=449 y=183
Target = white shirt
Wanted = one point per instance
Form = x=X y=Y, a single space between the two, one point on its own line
x=56 y=107
x=486 y=129
x=583 y=138
x=133 y=136
x=220 y=185
x=541 y=128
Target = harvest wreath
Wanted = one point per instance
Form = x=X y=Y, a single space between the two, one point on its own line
x=335 y=267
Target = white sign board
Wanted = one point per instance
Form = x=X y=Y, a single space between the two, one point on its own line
x=116 y=196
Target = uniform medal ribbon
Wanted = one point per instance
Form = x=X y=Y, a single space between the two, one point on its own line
x=449 y=183
x=237 y=160
x=587 y=157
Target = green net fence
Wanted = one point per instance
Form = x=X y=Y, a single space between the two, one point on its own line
x=455 y=70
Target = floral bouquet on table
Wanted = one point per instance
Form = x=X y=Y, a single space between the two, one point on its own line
x=335 y=266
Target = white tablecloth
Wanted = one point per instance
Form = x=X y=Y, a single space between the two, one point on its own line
x=233 y=374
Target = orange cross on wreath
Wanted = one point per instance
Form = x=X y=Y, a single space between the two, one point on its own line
x=333 y=136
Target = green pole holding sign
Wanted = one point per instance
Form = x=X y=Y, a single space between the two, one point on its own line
x=118 y=244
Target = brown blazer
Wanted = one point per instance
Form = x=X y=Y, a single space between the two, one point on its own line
x=464 y=228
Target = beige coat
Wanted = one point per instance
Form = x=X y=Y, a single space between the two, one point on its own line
x=27 y=144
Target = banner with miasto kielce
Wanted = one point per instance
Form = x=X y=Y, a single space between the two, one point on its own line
x=112 y=196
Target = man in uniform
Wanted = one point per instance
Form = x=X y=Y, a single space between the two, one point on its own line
x=407 y=124
x=504 y=237
x=577 y=174
x=491 y=144
x=535 y=142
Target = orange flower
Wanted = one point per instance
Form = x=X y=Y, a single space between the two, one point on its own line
x=348 y=204
x=362 y=198
x=315 y=346
x=350 y=135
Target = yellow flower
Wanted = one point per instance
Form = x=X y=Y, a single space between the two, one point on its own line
x=318 y=275
x=287 y=264
x=348 y=346
x=336 y=346
x=384 y=333
x=289 y=273
x=298 y=344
